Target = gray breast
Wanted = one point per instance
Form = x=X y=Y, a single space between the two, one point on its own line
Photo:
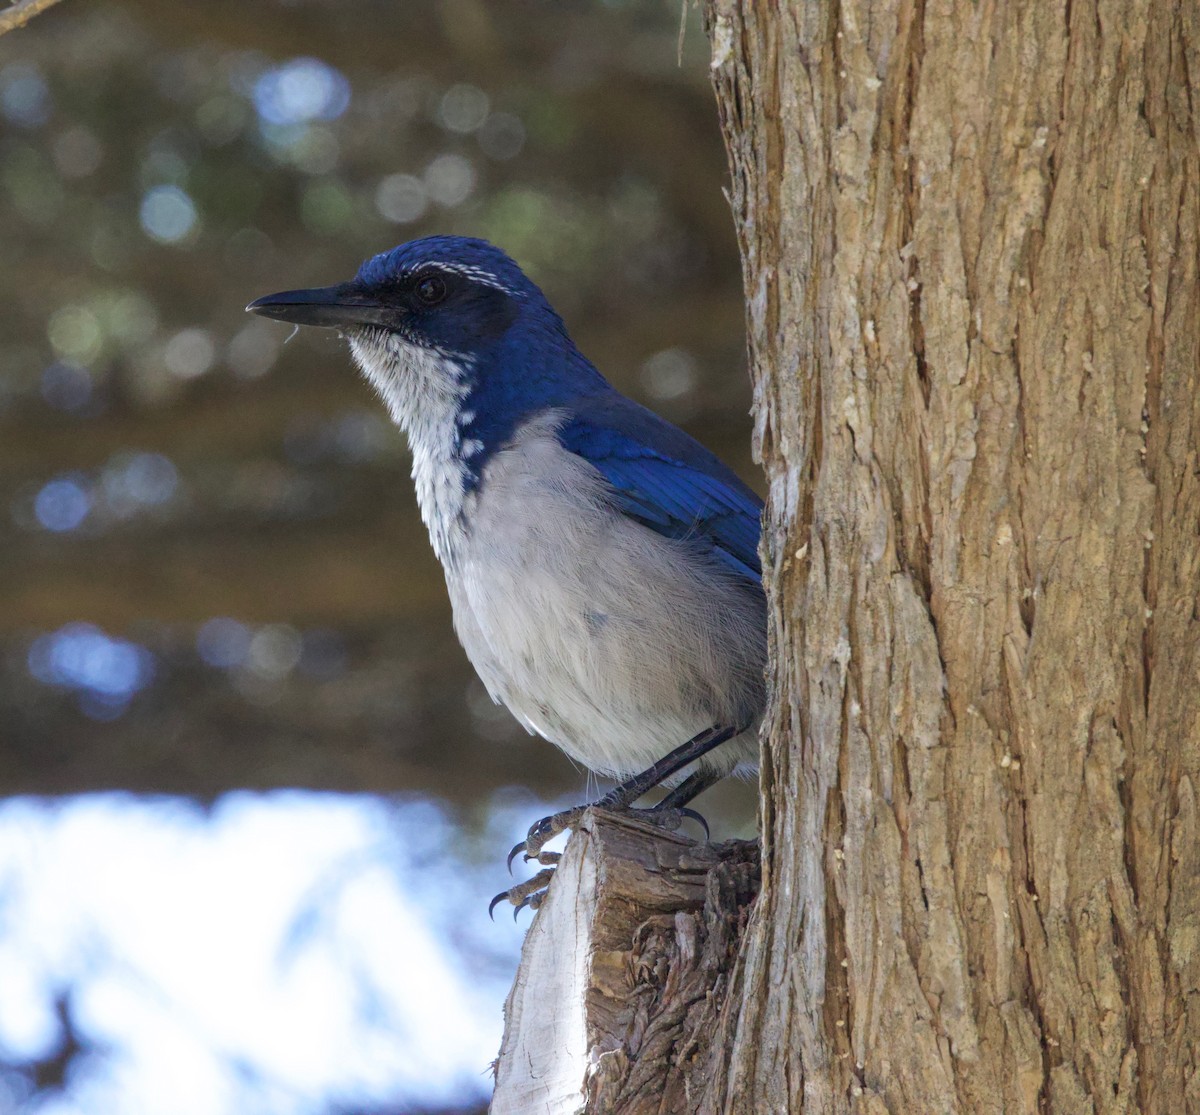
x=611 y=641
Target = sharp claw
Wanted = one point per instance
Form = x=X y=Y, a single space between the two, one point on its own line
x=527 y=894
x=686 y=812
x=533 y=901
x=542 y=832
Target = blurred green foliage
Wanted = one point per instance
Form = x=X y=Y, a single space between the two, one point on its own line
x=166 y=462
x=212 y=571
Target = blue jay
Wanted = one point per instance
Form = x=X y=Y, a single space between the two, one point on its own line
x=602 y=566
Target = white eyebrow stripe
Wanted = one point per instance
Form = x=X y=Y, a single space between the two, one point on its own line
x=478 y=274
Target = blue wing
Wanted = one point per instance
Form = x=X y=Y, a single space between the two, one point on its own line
x=666 y=480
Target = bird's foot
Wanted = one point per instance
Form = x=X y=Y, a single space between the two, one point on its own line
x=669 y=817
x=530 y=893
x=669 y=812
x=541 y=833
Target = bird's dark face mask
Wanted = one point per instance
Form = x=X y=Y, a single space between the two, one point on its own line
x=430 y=307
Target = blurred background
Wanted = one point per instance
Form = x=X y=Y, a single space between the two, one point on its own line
x=255 y=800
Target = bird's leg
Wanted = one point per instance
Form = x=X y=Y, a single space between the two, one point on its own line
x=621 y=797
x=670 y=812
x=692 y=786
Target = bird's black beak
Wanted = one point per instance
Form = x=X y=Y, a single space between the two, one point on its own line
x=330 y=306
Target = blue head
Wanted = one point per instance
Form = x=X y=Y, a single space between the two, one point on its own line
x=446 y=323
x=453 y=294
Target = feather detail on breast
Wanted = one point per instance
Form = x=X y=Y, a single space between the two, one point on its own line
x=424 y=392
x=602 y=635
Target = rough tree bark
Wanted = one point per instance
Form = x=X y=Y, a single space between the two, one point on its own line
x=969 y=235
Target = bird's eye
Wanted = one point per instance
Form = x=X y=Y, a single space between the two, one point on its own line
x=431 y=290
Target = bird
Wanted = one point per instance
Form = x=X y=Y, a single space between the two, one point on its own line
x=602 y=565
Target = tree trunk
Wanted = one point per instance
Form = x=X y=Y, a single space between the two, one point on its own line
x=969 y=237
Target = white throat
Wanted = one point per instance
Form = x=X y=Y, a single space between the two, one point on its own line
x=423 y=390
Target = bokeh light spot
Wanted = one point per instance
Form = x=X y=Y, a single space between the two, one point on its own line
x=106 y=671
x=74 y=332
x=401 y=198
x=167 y=214
x=502 y=136
x=63 y=503
x=128 y=315
x=463 y=109
x=190 y=353
x=67 y=386
x=24 y=95
x=163 y=163
x=669 y=374
x=274 y=651
x=450 y=180
x=300 y=90
x=253 y=350
x=362 y=435
x=223 y=642
x=132 y=481
x=77 y=152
